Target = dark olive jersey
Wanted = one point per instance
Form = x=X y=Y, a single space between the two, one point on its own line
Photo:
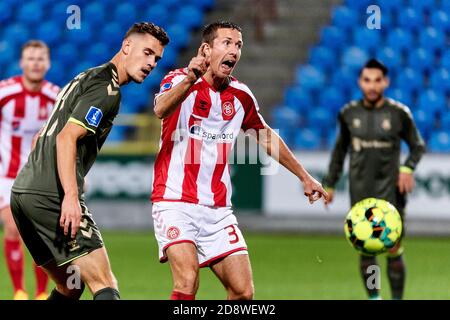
x=90 y=100
x=373 y=138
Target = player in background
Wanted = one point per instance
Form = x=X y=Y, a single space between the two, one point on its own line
x=371 y=130
x=47 y=198
x=25 y=103
x=203 y=110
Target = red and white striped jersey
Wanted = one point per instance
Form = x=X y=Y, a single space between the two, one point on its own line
x=22 y=114
x=196 y=139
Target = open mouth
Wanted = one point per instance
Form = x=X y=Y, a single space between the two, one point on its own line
x=146 y=72
x=228 y=64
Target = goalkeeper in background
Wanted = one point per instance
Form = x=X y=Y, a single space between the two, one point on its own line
x=371 y=130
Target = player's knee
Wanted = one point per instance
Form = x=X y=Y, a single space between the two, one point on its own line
x=187 y=283
x=244 y=293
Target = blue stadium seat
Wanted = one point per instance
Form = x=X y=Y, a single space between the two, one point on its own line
x=321 y=119
x=399 y=39
x=333 y=37
x=331 y=138
x=445 y=121
x=169 y=59
x=203 y=4
x=99 y=53
x=390 y=7
x=421 y=59
x=286 y=116
x=298 y=98
x=66 y=53
x=310 y=77
x=13 y=69
x=404 y=96
x=439 y=141
x=49 y=32
x=366 y=39
x=424 y=5
x=16 y=34
x=110 y=32
x=433 y=102
x=356 y=94
x=445 y=59
x=158 y=14
x=179 y=35
x=440 y=20
x=440 y=80
x=125 y=14
x=410 y=80
x=81 y=66
x=431 y=38
x=307 y=139
x=134 y=98
x=59 y=13
x=354 y=58
x=332 y=99
x=445 y=5
x=5 y=13
x=411 y=19
x=322 y=57
x=57 y=73
x=424 y=121
x=191 y=16
x=81 y=36
x=95 y=13
x=344 y=78
x=344 y=17
x=30 y=13
x=8 y=52
x=391 y=58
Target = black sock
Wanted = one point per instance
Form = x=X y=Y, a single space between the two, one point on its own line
x=368 y=276
x=107 y=294
x=56 y=295
x=396 y=275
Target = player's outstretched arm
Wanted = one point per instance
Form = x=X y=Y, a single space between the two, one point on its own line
x=66 y=153
x=166 y=103
x=277 y=149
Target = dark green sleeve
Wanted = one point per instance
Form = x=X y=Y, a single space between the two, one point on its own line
x=93 y=105
x=412 y=137
x=338 y=155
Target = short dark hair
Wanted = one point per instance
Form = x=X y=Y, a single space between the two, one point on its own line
x=375 y=64
x=150 y=28
x=210 y=31
x=35 y=44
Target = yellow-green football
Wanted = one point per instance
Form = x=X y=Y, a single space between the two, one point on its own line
x=373 y=226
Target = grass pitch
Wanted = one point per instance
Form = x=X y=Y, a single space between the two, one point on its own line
x=285 y=266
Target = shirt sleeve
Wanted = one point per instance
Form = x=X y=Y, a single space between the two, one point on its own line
x=412 y=137
x=338 y=156
x=170 y=80
x=94 y=104
x=252 y=118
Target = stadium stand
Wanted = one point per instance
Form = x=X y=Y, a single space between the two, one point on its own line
x=78 y=49
x=413 y=42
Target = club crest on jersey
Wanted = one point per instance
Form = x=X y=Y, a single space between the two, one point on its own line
x=227 y=110
x=386 y=124
x=173 y=233
x=166 y=86
x=93 y=116
x=15 y=125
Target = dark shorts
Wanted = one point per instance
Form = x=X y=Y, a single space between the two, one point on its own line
x=37 y=219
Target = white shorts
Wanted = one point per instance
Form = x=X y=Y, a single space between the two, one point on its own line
x=213 y=230
x=5 y=191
